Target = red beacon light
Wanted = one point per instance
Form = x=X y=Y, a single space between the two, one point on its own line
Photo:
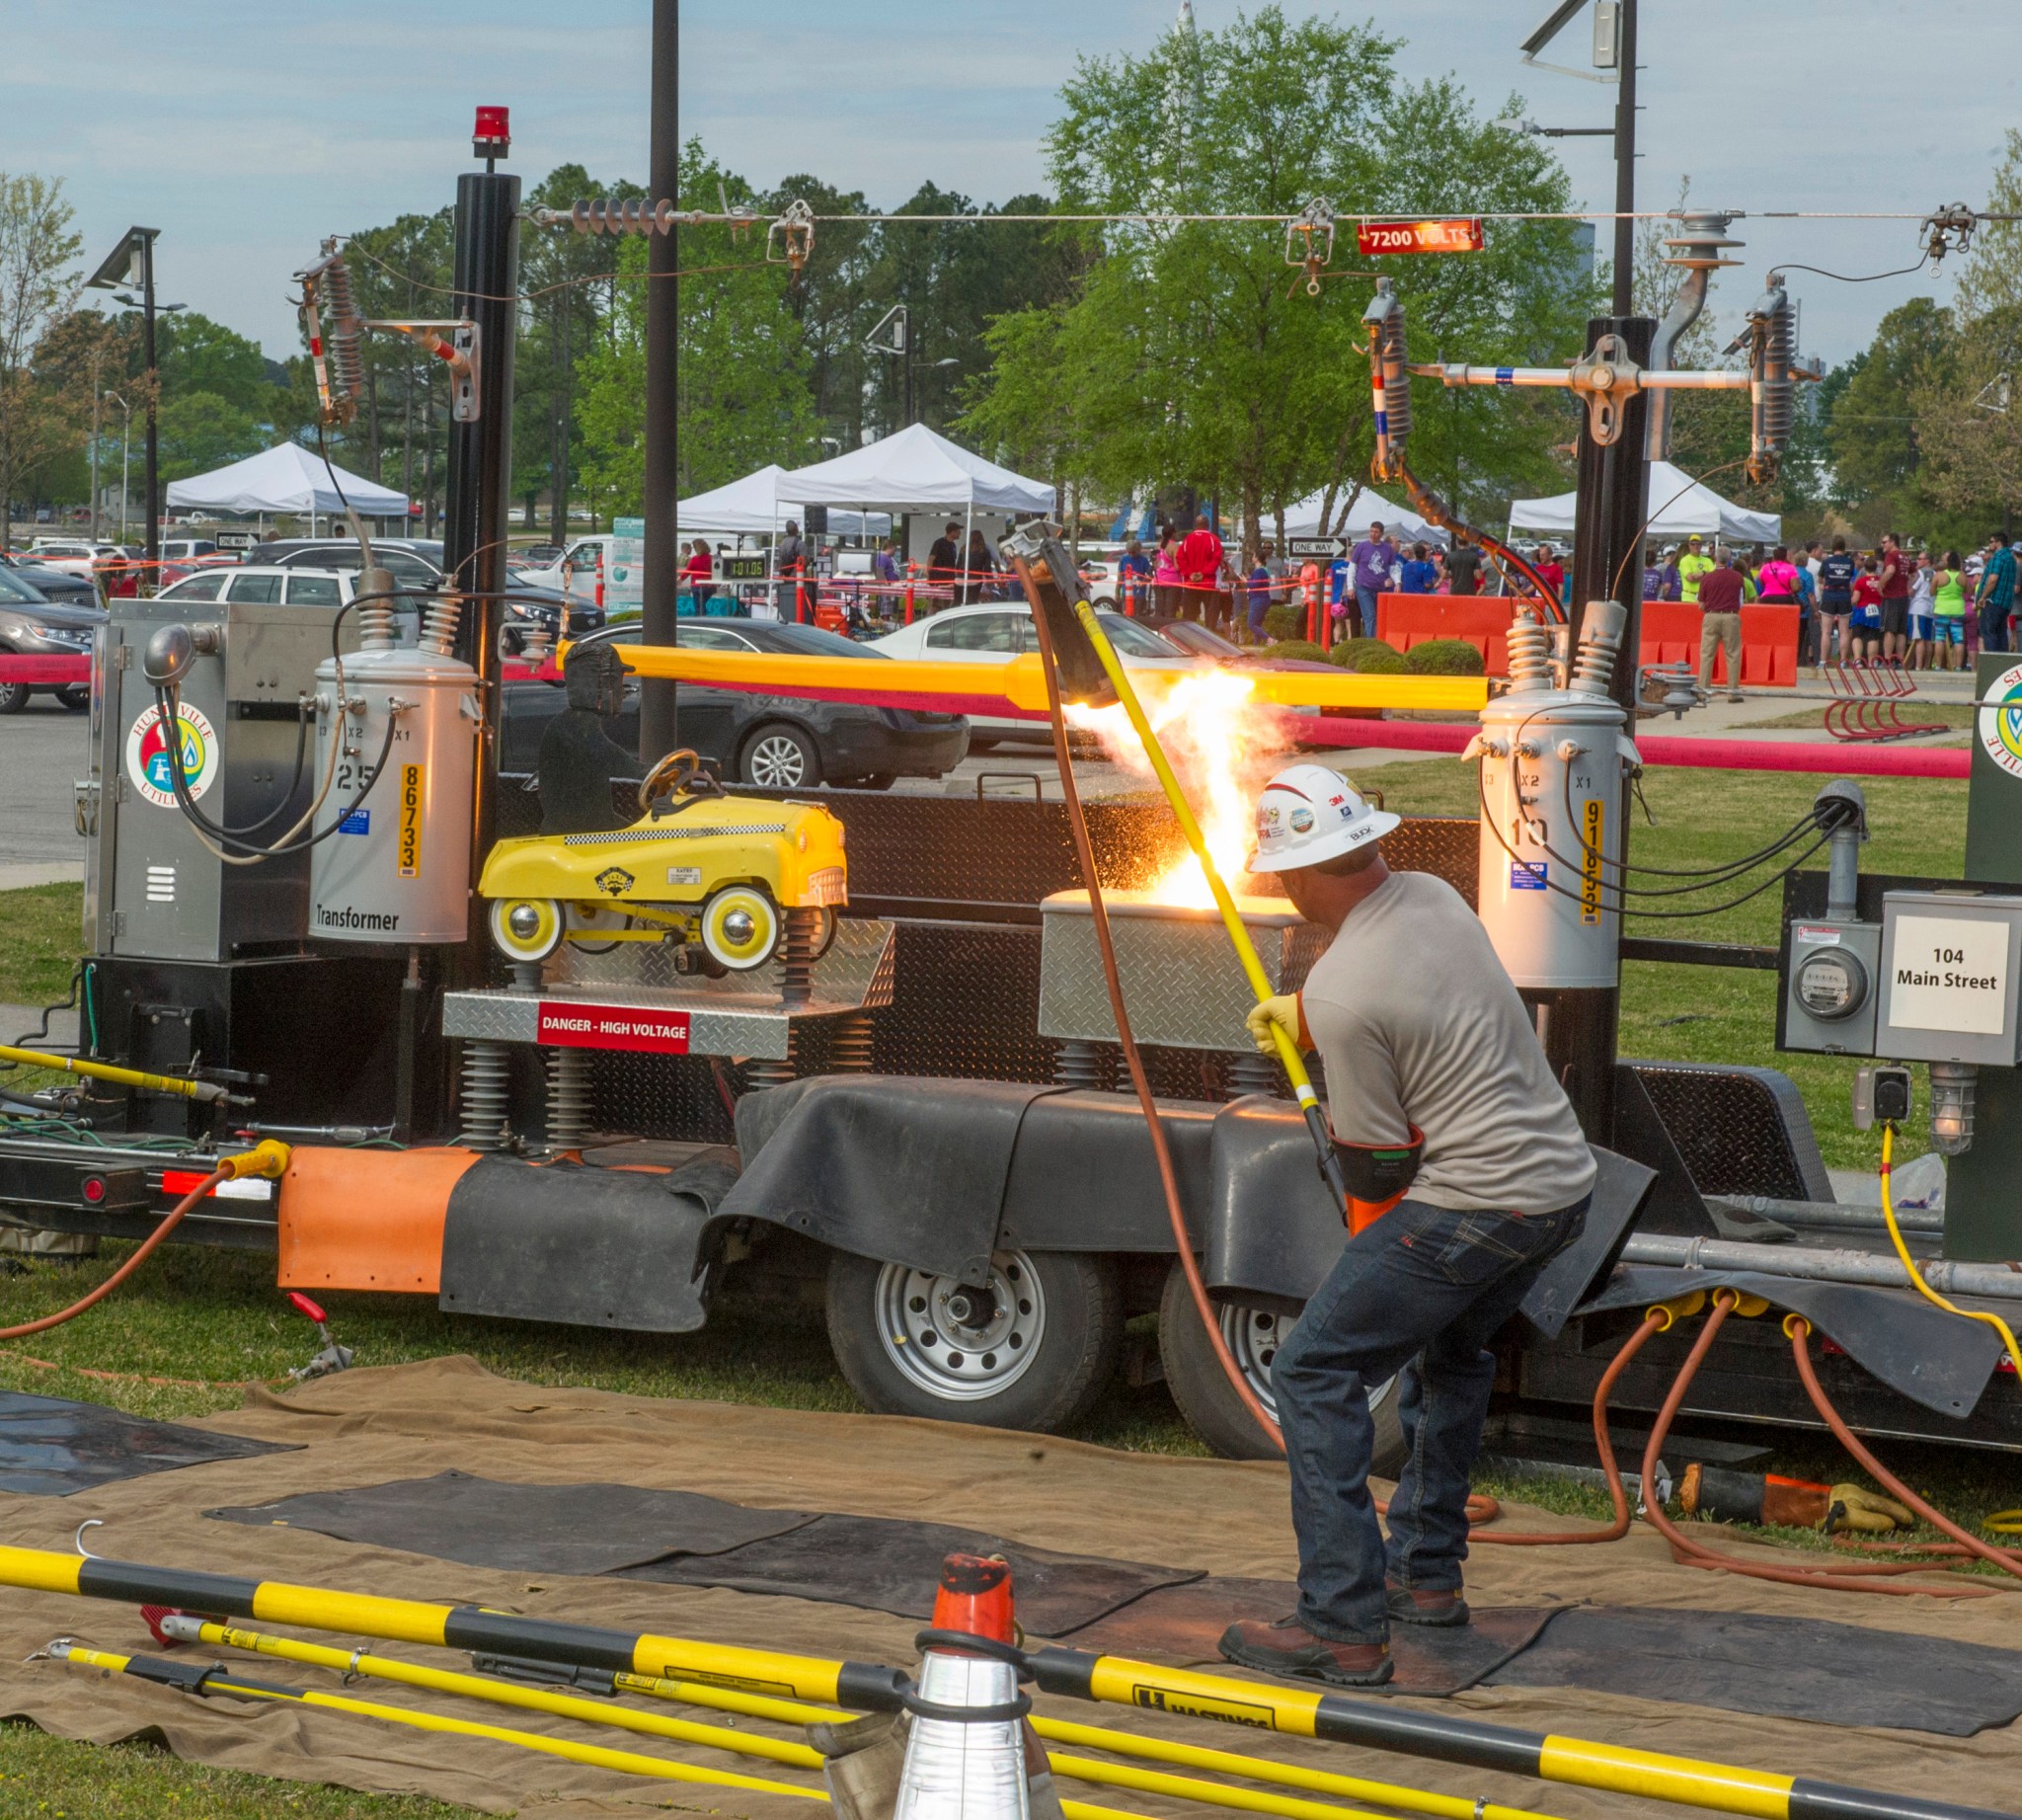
x=492 y=137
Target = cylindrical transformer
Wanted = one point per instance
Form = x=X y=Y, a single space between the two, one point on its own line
x=1552 y=766
x=398 y=867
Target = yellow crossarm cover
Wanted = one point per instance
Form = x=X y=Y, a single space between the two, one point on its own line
x=1016 y=685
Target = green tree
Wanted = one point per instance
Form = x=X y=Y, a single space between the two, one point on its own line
x=200 y=431
x=1871 y=433
x=199 y=356
x=39 y=283
x=1190 y=354
x=744 y=393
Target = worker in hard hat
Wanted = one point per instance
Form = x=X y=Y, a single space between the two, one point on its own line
x=1441 y=1103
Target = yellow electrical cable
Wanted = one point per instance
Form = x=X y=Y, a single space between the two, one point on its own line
x=110 y=1072
x=1931 y=1295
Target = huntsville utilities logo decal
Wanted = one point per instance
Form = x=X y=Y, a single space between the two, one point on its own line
x=1202 y=1706
x=2001 y=720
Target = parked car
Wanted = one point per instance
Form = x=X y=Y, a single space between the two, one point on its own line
x=417 y=563
x=180 y=556
x=270 y=584
x=72 y=555
x=778 y=740
x=55 y=585
x=31 y=626
x=531 y=556
x=991 y=632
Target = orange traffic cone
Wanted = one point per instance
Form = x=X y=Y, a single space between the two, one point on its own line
x=967 y=1756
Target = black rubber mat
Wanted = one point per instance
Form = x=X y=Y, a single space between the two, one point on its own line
x=50 y=1446
x=1180 y=1626
x=888 y=1564
x=1789 y=1668
x=526 y=1528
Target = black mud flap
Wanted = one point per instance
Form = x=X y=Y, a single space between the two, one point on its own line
x=574 y=1243
x=1620 y=1190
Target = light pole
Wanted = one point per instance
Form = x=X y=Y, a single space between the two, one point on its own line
x=131 y=263
x=126 y=433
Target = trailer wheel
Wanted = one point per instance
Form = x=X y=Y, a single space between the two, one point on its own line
x=1033 y=1350
x=1208 y=1401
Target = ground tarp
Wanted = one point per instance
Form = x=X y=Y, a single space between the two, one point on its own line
x=1228 y=1517
x=1679 y=507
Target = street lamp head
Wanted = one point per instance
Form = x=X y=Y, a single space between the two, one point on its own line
x=134 y=303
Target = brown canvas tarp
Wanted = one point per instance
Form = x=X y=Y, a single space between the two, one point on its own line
x=1222 y=1517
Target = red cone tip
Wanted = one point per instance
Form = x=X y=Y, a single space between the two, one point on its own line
x=974 y=1596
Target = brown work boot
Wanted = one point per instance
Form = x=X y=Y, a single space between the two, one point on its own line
x=1425 y=1605
x=1289 y=1648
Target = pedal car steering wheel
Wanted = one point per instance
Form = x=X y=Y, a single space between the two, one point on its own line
x=680 y=773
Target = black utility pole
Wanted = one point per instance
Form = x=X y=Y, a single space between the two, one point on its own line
x=475 y=519
x=1625 y=166
x=659 y=719
x=152 y=548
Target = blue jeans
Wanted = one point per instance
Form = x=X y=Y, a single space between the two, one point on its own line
x=1363 y=612
x=1993 y=626
x=1421 y=1293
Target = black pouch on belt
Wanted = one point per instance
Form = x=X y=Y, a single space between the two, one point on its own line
x=1377 y=1175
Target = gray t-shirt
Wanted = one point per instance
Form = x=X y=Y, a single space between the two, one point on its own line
x=1418 y=1024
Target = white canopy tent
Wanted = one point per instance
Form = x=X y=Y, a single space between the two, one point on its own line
x=917 y=466
x=286 y=478
x=1403 y=524
x=754 y=507
x=1681 y=506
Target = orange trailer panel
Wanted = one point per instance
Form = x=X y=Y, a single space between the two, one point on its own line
x=367 y=1219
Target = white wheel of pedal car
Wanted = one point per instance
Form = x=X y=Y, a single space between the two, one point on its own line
x=1032 y=1348
x=741 y=927
x=526 y=928
x=1207 y=1400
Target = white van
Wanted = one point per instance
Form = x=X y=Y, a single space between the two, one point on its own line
x=604 y=569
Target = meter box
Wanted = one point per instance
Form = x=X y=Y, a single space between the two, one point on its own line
x=1949 y=977
x=1833 y=988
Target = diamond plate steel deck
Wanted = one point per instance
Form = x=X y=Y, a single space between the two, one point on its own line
x=1181 y=979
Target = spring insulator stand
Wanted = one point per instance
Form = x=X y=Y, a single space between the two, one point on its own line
x=487 y=1096
x=769 y=1070
x=1081 y=1064
x=1255 y=1073
x=849 y=1044
x=797 y=956
x=569 y=1099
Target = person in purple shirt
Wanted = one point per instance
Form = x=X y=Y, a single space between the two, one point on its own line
x=1369 y=565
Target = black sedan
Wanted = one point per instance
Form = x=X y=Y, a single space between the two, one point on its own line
x=56 y=585
x=780 y=742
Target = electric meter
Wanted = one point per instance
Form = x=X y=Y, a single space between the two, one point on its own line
x=1830 y=984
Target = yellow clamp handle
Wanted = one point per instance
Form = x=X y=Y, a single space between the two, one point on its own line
x=269 y=1158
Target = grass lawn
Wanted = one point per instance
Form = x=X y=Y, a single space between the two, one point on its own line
x=204 y=1322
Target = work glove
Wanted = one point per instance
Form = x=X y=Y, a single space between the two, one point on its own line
x=1280 y=1013
x=1853 y=1507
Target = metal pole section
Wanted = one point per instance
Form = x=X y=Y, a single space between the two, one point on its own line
x=475 y=503
x=151 y=475
x=1821 y=1264
x=1614 y=479
x=658 y=727
x=1625 y=177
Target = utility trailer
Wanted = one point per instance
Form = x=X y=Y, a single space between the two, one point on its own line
x=947 y=1151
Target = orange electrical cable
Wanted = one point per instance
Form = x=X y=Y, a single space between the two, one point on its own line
x=1848 y=1577
x=125 y=1270
x=1799 y=1329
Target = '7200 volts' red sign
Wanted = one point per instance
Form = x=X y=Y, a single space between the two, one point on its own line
x=1458 y=236
x=575 y=1025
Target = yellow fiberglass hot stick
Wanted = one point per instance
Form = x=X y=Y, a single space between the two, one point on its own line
x=118 y=1077
x=1231 y=921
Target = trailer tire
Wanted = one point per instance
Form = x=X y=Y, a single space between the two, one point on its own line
x=1045 y=1352
x=1208 y=1401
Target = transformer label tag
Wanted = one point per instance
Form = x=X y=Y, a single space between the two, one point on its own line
x=409 y=847
x=1592 y=823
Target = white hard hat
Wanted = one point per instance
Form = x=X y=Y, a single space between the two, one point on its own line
x=1308 y=815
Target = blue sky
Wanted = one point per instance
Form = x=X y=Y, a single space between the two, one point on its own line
x=247 y=132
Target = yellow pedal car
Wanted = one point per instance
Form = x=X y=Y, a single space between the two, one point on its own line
x=699 y=868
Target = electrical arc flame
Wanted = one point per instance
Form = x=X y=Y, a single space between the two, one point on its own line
x=1222 y=745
